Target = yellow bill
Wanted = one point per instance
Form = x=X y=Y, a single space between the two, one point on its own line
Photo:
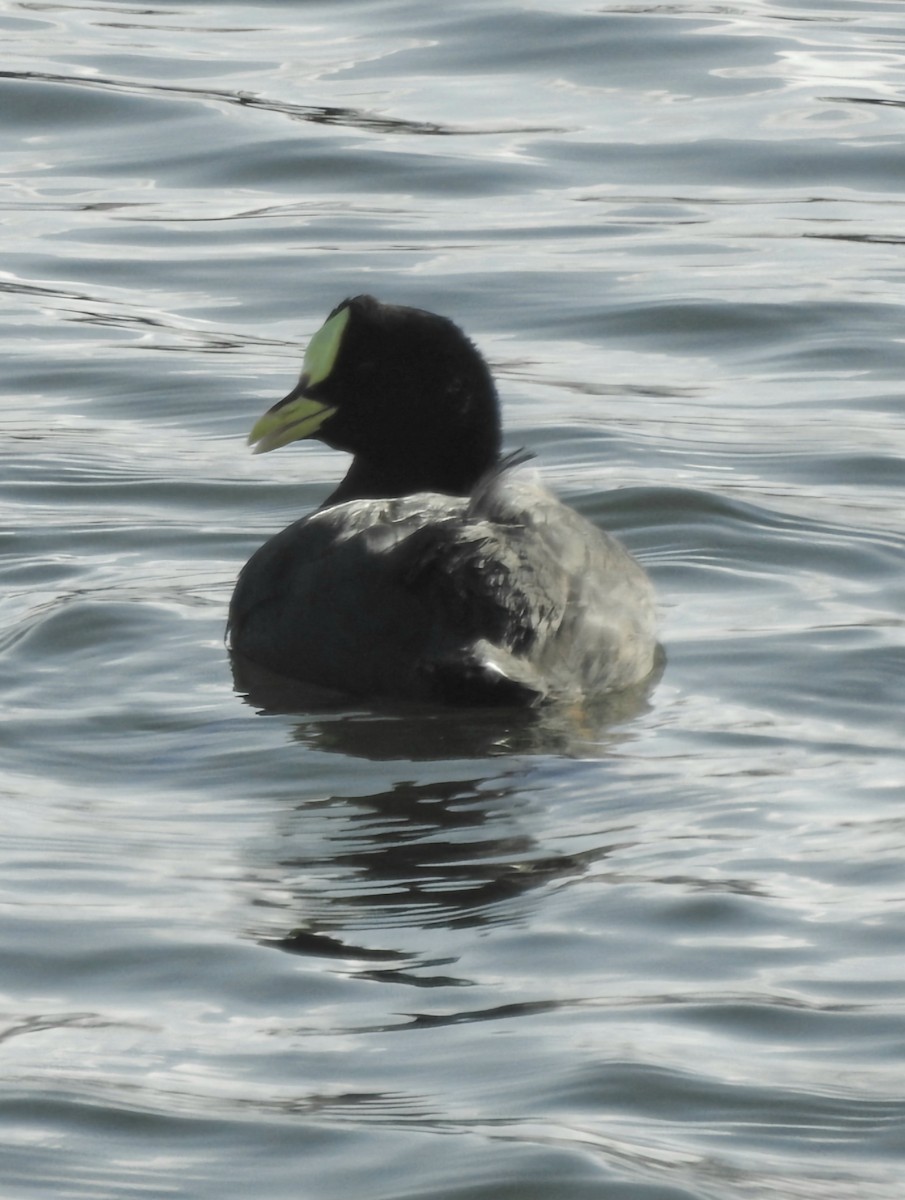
x=297 y=415
x=294 y=418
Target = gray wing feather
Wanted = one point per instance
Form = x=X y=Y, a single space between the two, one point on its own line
x=506 y=595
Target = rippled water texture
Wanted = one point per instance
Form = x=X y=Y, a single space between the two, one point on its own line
x=654 y=952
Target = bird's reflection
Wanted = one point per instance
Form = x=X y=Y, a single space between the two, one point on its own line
x=346 y=874
x=428 y=857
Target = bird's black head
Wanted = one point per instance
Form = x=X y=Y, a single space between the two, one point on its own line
x=401 y=389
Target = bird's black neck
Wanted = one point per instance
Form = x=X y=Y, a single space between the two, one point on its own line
x=366 y=480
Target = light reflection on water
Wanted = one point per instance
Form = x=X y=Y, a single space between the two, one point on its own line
x=262 y=944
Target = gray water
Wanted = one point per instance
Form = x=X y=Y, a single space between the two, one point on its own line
x=357 y=952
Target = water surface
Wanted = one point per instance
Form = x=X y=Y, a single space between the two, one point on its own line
x=358 y=951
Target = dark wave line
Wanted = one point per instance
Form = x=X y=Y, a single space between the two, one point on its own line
x=353 y=118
